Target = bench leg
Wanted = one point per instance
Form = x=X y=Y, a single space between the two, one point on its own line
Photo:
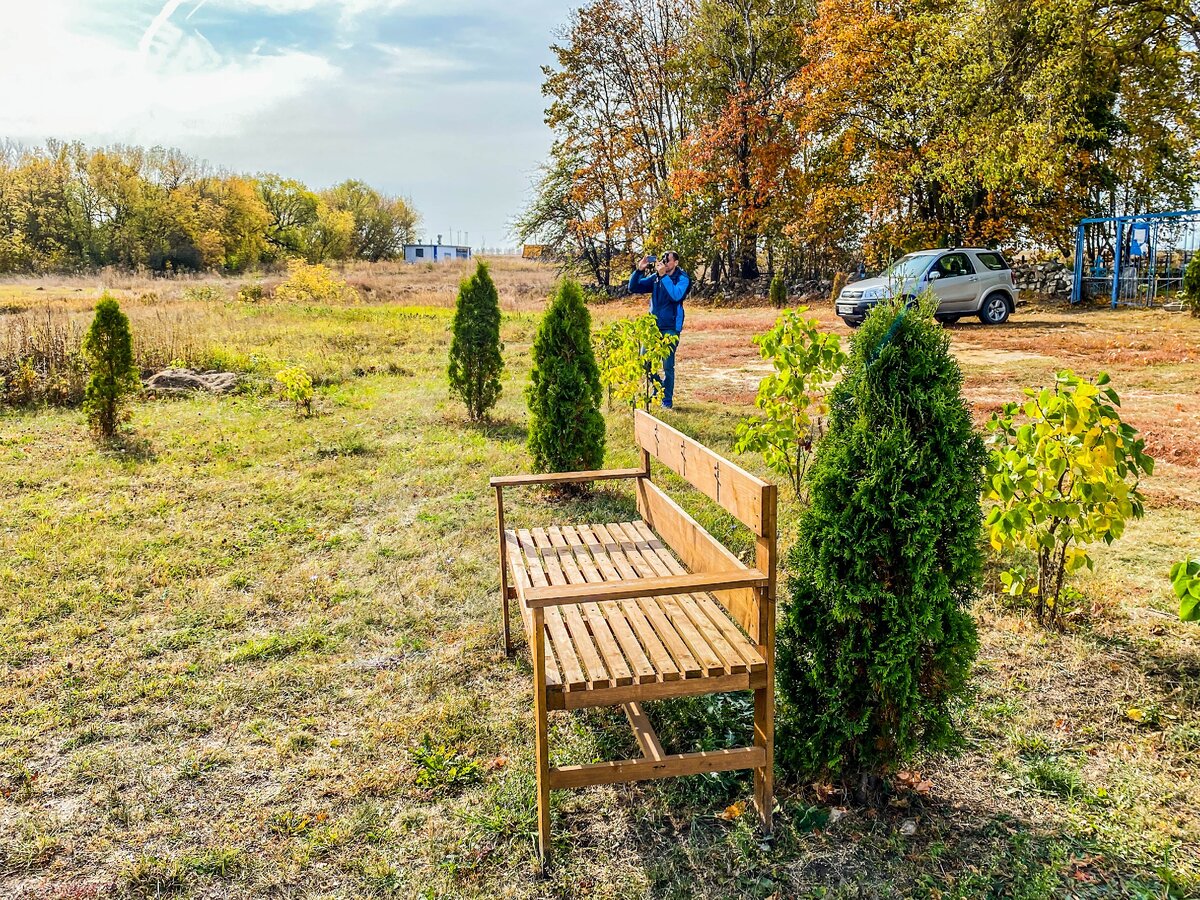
x=503 y=569
x=764 y=736
x=541 y=738
x=504 y=614
x=543 y=785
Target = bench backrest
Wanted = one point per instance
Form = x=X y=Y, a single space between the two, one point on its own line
x=749 y=498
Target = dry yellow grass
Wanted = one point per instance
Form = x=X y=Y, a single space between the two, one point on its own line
x=222 y=643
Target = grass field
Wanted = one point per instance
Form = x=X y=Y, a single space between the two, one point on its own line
x=224 y=643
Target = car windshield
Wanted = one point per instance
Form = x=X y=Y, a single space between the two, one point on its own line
x=907 y=267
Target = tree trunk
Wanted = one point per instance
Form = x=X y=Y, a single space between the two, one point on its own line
x=748 y=255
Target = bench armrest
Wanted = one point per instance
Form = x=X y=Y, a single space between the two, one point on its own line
x=565 y=477
x=561 y=595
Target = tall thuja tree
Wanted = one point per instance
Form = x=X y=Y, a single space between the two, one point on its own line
x=476 y=361
x=876 y=642
x=566 y=428
x=108 y=348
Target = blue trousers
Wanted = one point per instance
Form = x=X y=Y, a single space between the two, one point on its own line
x=666 y=381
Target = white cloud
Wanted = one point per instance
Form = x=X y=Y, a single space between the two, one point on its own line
x=439 y=100
x=416 y=62
x=348 y=8
x=106 y=84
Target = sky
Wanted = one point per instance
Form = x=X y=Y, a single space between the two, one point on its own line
x=436 y=100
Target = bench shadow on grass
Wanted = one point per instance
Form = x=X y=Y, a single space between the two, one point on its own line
x=673 y=835
x=960 y=849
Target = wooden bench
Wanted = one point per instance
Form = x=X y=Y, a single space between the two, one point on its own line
x=625 y=612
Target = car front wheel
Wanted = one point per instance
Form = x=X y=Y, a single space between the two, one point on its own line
x=994 y=311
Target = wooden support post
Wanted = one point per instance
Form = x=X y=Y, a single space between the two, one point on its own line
x=503 y=569
x=766 y=548
x=537 y=645
x=643 y=731
x=628 y=770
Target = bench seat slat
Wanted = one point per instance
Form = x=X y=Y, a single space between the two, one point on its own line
x=733 y=635
x=629 y=609
x=674 y=606
x=521 y=581
x=556 y=633
x=585 y=647
x=579 y=569
x=720 y=632
x=663 y=629
x=597 y=647
x=706 y=640
x=636 y=661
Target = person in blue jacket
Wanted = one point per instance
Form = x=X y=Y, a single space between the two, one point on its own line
x=667 y=287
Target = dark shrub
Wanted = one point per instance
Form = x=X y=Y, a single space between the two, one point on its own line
x=108 y=348
x=475 y=351
x=876 y=643
x=778 y=292
x=566 y=429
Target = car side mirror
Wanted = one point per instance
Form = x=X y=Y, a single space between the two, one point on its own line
x=934 y=276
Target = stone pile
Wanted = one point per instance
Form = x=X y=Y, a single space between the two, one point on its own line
x=1052 y=278
x=185 y=381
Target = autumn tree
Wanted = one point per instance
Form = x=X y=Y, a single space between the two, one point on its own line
x=617 y=111
x=68 y=206
x=745 y=53
x=382 y=225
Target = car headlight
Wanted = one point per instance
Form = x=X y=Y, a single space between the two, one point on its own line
x=872 y=294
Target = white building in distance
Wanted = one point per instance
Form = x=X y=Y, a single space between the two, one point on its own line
x=436 y=252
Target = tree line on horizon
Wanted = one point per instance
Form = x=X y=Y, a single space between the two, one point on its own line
x=811 y=134
x=68 y=207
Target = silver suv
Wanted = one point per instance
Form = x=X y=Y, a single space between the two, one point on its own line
x=966 y=281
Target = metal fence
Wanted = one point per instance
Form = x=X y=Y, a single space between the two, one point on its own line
x=1134 y=260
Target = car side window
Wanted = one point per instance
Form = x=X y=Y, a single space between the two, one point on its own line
x=993 y=261
x=954 y=265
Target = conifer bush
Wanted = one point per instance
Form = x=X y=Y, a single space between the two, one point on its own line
x=108 y=348
x=876 y=641
x=778 y=292
x=476 y=361
x=566 y=428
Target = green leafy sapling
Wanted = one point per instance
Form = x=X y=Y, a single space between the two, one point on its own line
x=1063 y=473
x=791 y=400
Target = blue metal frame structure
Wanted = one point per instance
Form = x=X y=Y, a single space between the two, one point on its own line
x=1129 y=283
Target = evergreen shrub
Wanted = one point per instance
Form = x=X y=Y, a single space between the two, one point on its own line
x=876 y=639
x=476 y=360
x=566 y=427
x=108 y=348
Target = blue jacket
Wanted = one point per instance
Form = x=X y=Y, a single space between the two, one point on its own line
x=666 y=296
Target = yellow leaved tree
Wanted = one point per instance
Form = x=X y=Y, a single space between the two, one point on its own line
x=1063 y=473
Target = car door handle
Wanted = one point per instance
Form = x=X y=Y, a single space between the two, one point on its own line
x=973 y=278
